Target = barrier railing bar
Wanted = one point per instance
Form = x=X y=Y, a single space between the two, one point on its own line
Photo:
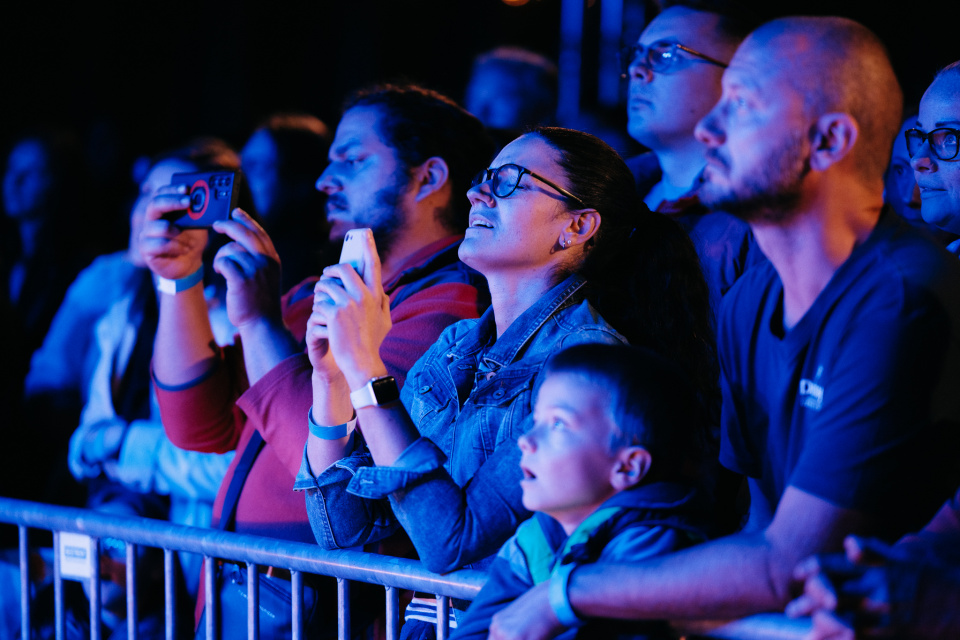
x=169 y=594
x=343 y=609
x=24 y=582
x=443 y=617
x=301 y=556
x=253 y=601
x=392 y=573
x=393 y=613
x=133 y=614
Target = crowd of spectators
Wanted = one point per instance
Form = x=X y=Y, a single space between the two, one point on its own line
x=712 y=380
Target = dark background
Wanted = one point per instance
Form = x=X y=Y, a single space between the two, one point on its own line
x=136 y=78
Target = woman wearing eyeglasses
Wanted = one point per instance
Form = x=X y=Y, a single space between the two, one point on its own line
x=934 y=148
x=571 y=255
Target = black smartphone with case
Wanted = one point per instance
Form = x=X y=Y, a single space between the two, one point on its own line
x=213 y=195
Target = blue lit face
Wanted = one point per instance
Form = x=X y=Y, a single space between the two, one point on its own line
x=900 y=186
x=939 y=180
x=27 y=181
x=757 y=148
x=565 y=458
x=259 y=158
x=365 y=184
x=496 y=98
x=519 y=233
x=663 y=108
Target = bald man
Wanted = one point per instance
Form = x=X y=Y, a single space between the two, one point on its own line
x=840 y=358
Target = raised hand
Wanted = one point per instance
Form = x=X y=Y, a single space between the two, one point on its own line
x=251 y=267
x=356 y=314
x=169 y=251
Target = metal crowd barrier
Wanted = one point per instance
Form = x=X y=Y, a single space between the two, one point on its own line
x=392 y=573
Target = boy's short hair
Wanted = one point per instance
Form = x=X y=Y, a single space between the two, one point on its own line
x=653 y=405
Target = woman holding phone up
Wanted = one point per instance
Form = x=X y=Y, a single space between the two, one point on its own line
x=571 y=255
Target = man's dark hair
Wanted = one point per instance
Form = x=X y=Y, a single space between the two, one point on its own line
x=420 y=124
x=736 y=19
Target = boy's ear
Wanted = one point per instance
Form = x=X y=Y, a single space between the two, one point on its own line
x=632 y=465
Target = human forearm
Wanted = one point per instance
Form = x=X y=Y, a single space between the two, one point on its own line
x=739 y=575
x=331 y=406
x=387 y=430
x=475 y=519
x=728 y=578
x=185 y=348
x=266 y=343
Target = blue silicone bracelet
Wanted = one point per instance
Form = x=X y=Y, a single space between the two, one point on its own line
x=173 y=287
x=329 y=433
x=559 y=599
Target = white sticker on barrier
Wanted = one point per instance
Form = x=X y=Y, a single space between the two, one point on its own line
x=76 y=561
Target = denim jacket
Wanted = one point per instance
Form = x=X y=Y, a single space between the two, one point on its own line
x=456 y=490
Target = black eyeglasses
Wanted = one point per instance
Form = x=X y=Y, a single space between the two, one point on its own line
x=660 y=56
x=943 y=142
x=506 y=178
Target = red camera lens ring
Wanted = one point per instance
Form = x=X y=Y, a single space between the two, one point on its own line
x=196 y=215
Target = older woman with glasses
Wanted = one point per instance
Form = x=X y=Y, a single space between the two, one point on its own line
x=571 y=255
x=934 y=148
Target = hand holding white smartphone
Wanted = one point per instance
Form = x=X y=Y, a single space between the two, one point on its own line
x=354 y=248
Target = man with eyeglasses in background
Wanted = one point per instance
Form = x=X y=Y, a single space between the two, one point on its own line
x=934 y=152
x=674 y=73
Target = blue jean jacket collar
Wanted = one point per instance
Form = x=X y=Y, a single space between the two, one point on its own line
x=515 y=338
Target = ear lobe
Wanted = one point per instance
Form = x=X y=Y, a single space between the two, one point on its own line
x=835 y=134
x=584 y=225
x=431 y=176
x=632 y=465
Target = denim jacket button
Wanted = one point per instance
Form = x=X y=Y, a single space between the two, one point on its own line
x=499 y=393
x=425 y=388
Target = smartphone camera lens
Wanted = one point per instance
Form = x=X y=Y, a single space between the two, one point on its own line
x=197 y=199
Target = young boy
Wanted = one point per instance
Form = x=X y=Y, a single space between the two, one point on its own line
x=609 y=472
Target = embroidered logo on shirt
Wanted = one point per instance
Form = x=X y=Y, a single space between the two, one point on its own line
x=811 y=393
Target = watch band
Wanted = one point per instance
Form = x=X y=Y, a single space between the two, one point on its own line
x=377 y=392
x=173 y=287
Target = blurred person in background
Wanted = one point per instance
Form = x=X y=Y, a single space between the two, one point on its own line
x=282 y=160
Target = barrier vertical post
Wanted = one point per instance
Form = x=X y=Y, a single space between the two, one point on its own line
x=443 y=617
x=253 y=602
x=133 y=614
x=24 y=583
x=212 y=595
x=169 y=595
x=343 y=609
x=296 y=602
x=393 y=613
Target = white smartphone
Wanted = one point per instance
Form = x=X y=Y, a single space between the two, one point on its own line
x=354 y=248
